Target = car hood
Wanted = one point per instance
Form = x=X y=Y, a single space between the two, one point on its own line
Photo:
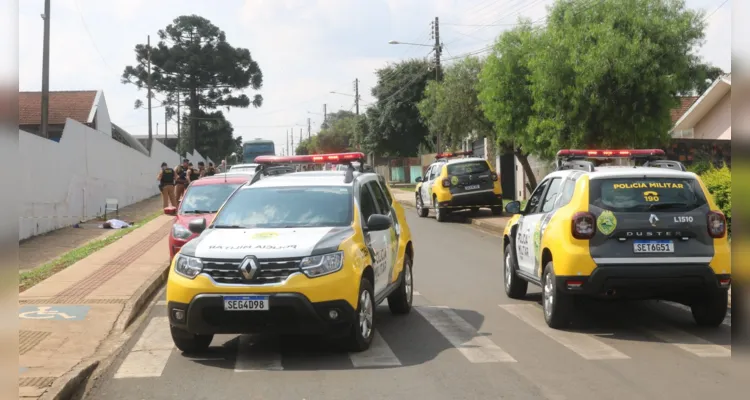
x=266 y=243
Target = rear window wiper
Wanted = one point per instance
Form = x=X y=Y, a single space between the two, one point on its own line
x=667 y=205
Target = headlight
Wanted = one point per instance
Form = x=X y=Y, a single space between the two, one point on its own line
x=180 y=232
x=322 y=265
x=189 y=267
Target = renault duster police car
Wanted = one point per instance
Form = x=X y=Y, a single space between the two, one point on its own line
x=307 y=252
x=452 y=184
x=646 y=232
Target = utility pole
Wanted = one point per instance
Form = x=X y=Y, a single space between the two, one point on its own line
x=45 y=72
x=287 y=142
x=356 y=94
x=308 y=129
x=300 y=135
x=166 y=121
x=438 y=74
x=157 y=130
x=150 y=133
x=325 y=114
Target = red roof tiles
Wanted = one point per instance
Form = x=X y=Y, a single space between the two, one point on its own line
x=76 y=105
x=685 y=103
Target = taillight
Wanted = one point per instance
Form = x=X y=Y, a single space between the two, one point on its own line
x=493 y=176
x=717 y=224
x=583 y=225
x=446 y=182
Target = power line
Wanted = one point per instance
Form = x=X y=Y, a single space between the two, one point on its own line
x=715 y=10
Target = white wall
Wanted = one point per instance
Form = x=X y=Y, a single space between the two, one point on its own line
x=67 y=182
x=101 y=115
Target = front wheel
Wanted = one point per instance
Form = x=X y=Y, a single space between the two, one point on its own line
x=190 y=343
x=421 y=210
x=557 y=305
x=711 y=309
x=362 y=329
x=400 y=300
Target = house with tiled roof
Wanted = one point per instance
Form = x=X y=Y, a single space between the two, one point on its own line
x=87 y=107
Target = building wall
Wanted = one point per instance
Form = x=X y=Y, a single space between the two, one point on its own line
x=67 y=182
x=102 y=121
x=717 y=124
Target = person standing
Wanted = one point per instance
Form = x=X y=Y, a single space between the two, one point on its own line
x=201 y=169
x=193 y=173
x=181 y=179
x=211 y=170
x=166 y=185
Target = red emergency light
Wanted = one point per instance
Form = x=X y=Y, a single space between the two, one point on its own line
x=336 y=158
x=611 y=153
x=454 y=154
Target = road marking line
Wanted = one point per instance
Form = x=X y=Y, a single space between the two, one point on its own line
x=378 y=355
x=150 y=354
x=685 y=341
x=252 y=357
x=582 y=344
x=415 y=293
x=463 y=336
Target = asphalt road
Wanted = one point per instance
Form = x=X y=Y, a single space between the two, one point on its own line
x=463 y=340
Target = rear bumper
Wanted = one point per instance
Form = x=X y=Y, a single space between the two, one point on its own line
x=480 y=199
x=644 y=281
x=289 y=313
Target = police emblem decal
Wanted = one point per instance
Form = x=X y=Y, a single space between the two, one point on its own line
x=248 y=267
x=607 y=222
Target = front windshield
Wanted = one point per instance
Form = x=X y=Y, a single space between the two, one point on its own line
x=287 y=207
x=206 y=199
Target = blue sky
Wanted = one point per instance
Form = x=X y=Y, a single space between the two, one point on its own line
x=306 y=48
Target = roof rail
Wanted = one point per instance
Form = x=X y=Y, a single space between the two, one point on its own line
x=670 y=164
x=580 y=165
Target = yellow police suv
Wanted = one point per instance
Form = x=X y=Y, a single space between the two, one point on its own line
x=650 y=231
x=299 y=253
x=452 y=184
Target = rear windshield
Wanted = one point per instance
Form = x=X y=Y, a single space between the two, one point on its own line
x=287 y=207
x=646 y=194
x=465 y=168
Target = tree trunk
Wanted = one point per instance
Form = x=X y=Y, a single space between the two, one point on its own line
x=524 y=160
x=194 y=108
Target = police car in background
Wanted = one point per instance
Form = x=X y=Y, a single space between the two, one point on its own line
x=639 y=232
x=307 y=252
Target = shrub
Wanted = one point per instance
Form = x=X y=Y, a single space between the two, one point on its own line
x=700 y=167
x=719 y=183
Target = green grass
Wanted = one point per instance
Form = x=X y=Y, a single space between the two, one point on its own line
x=28 y=279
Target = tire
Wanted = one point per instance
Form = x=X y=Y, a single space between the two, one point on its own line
x=440 y=212
x=557 y=306
x=421 y=211
x=359 y=339
x=515 y=287
x=710 y=310
x=190 y=343
x=497 y=211
x=474 y=210
x=400 y=300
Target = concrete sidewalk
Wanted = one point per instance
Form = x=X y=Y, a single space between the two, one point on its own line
x=73 y=320
x=483 y=219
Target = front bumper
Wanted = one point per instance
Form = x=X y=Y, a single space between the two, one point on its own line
x=289 y=313
x=645 y=281
x=467 y=200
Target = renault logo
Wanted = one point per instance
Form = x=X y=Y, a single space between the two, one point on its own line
x=653 y=219
x=248 y=267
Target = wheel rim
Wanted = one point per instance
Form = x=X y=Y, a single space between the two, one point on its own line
x=419 y=204
x=408 y=282
x=365 y=314
x=549 y=295
x=508 y=271
x=437 y=210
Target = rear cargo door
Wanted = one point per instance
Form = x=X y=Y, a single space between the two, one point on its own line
x=649 y=220
x=469 y=176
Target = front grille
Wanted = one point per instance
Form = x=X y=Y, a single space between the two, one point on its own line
x=269 y=271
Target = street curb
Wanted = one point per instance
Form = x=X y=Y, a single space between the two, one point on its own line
x=490 y=228
x=69 y=385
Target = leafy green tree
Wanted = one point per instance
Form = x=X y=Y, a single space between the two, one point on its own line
x=194 y=58
x=395 y=127
x=217 y=141
x=700 y=77
x=607 y=73
x=506 y=97
x=451 y=106
x=335 y=116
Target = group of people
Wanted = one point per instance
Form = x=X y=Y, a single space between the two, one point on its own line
x=173 y=181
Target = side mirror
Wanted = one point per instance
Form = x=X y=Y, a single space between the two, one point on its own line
x=378 y=222
x=419 y=179
x=170 y=211
x=197 y=225
x=514 y=207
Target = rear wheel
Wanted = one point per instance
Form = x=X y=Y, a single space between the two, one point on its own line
x=515 y=287
x=188 y=342
x=362 y=329
x=421 y=210
x=440 y=212
x=710 y=310
x=557 y=305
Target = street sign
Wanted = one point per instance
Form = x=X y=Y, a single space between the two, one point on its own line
x=54 y=313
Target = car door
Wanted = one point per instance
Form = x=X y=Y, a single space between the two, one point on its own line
x=434 y=173
x=377 y=242
x=381 y=200
x=426 y=188
x=525 y=252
